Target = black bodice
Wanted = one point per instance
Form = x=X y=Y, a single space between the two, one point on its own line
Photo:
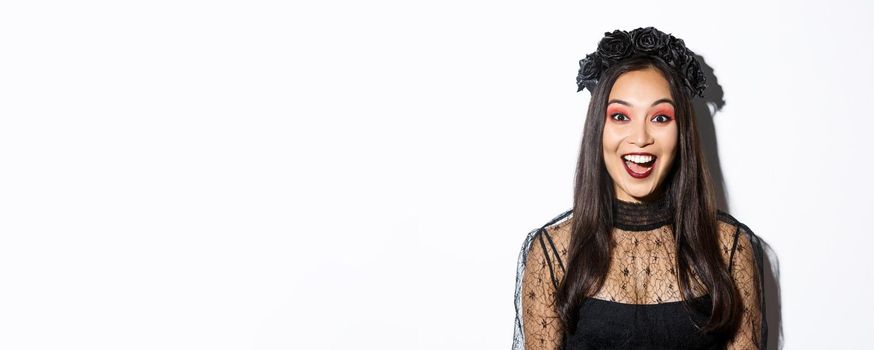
x=613 y=325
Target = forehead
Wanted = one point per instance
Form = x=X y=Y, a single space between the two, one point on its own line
x=641 y=87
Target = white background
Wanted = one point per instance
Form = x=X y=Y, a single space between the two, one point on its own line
x=334 y=175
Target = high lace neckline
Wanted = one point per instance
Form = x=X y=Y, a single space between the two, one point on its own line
x=643 y=216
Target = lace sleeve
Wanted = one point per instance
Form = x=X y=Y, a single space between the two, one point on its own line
x=747 y=271
x=537 y=323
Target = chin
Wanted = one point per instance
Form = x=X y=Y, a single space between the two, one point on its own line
x=640 y=191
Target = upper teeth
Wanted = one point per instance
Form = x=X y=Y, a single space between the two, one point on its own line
x=638 y=158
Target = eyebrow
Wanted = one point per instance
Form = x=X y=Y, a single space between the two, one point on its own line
x=653 y=104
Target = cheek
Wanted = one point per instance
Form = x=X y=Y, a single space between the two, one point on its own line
x=669 y=141
x=611 y=138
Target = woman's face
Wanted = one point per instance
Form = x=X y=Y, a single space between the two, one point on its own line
x=640 y=134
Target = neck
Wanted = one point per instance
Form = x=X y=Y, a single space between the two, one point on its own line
x=647 y=214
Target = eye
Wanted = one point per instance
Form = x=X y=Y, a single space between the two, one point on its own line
x=661 y=118
x=619 y=117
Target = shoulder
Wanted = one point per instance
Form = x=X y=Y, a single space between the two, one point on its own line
x=731 y=226
x=555 y=229
x=548 y=244
x=558 y=229
x=736 y=237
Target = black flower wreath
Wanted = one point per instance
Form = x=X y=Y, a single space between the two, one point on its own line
x=648 y=41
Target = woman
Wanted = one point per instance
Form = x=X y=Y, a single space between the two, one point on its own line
x=643 y=259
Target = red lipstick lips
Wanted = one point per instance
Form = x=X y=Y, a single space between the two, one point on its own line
x=639 y=170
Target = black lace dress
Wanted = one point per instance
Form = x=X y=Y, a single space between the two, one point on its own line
x=640 y=305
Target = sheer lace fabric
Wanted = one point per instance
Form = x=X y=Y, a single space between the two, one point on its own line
x=642 y=273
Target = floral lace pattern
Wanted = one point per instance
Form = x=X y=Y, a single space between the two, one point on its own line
x=642 y=271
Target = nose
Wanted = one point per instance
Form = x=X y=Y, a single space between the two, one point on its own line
x=640 y=135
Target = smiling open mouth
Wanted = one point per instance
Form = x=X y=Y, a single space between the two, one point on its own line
x=639 y=165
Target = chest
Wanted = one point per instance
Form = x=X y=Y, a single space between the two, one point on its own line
x=642 y=269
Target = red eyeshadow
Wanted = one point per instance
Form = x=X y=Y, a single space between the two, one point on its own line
x=611 y=110
x=666 y=111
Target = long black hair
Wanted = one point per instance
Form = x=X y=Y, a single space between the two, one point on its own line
x=688 y=188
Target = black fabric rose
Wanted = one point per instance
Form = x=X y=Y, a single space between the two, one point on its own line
x=648 y=40
x=695 y=80
x=614 y=46
x=674 y=53
x=590 y=70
